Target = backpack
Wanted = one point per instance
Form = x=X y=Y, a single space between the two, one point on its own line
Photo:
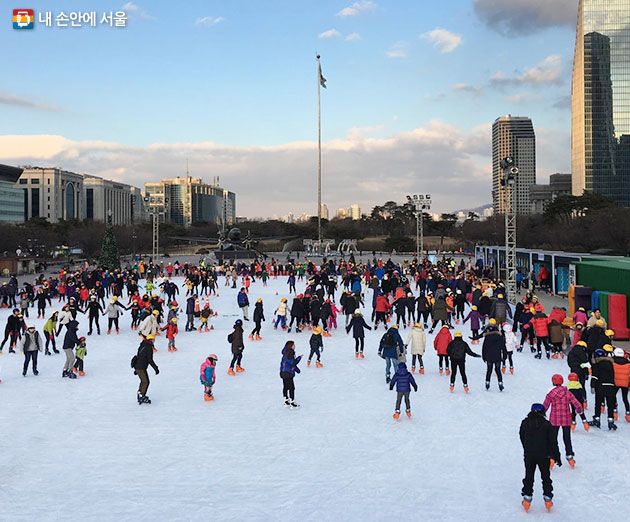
x=389 y=339
x=134 y=360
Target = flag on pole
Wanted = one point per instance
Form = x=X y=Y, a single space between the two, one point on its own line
x=322 y=80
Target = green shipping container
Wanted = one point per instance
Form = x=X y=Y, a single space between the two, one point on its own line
x=610 y=275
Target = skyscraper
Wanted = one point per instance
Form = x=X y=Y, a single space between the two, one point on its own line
x=513 y=136
x=600 y=100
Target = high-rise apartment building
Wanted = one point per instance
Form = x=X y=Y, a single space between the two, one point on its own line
x=600 y=100
x=324 y=211
x=513 y=136
x=184 y=201
x=354 y=212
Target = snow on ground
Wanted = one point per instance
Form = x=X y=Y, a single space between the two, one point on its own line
x=84 y=449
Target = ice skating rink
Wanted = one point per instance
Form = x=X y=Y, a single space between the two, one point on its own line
x=85 y=450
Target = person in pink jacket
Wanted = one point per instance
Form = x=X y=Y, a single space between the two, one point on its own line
x=332 y=320
x=580 y=316
x=560 y=400
x=208 y=375
x=440 y=343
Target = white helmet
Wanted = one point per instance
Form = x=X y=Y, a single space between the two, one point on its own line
x=619 y=352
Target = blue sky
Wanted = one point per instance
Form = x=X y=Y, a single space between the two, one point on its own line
x=243 y=74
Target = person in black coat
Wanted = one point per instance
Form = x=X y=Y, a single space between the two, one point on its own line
x=493 y=353
x=13 y=331
x=457 y=350
x=358 y=326
x=577 y=359
x=141 y=361
x=259 y=317
x=70 y=340
x=539 y=442
x=297 y=313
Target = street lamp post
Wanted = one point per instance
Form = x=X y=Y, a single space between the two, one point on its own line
x=420 y=202
x=510 y=173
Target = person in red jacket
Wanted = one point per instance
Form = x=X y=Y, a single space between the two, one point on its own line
x=382 y=307
x=540 y=322
x=560 y=400
x=440 y=343
x=171 y=333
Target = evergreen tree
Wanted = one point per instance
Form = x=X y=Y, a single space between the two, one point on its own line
x=109 y=250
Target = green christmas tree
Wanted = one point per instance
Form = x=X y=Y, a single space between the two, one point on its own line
x=109 y=250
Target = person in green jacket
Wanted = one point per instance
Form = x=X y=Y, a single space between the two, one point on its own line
x=49 y=332
x=80 y=353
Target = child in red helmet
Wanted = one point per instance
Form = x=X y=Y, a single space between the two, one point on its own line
x=575 y=387
x=560 y=400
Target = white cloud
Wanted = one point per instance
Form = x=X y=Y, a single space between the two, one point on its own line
x=19 y=101
x=331 y=33
x=548 y=72
x=444 y=40
x=357 y=8
x=468 y=88
x=208 y=21
x=133 y=10
x=397 y=50
x=458 y=156
x=352 y=37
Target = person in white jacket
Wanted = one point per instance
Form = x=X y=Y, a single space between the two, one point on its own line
x=149 y=325
x=511 y=342
x=65 y=316
x=281 y=314
x=418 y=340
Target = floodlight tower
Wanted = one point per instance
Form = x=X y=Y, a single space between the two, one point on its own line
x=510 y=173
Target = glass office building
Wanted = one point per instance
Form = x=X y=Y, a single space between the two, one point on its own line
x=600 y=99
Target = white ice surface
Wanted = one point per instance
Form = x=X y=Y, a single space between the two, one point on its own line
x=84 y=450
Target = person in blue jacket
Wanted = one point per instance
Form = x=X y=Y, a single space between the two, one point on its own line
x=288 y=369
x=404 y=381
x=243 y=303
x=390 y=347
x=358 y=326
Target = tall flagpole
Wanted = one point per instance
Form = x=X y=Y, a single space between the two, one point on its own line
x=319 y=159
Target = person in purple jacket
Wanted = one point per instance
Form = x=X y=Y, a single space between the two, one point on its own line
x=404 y=381
x=475 y=323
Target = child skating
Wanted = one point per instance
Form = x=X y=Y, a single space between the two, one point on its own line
x=80 y=353
x=317 y=346
x=418 y=340
x=510 y=344
x=288 y=369
x=575 y=387
x=560 y=400
x=171 y=333
x=440 y=343
x=404 y=381
x=208 y=376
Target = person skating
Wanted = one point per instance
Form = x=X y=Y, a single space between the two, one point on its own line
x=204 y=317
x=578 y=362
x=113 y=311
x=49 y=332
x=281 y=315
x=511 y=342
x=575 y=387
x=441 y=313
x=288 y=369
x=297 y=313
x=94 y=308
x=190 y=313
x=80 y=353
x=560 y=400
x=475 y=323
x=404 y=381
x=358 y=326
x=30 y=345
x=621 y=367
x=243 y=303
x=236 y=341
x=317 y=346
x=171 y=333
x=457 y=350
x=540 y=443
x=390 y=348
x=603 y=387
x=140 y=363
x=208 y=376
x=492 y=353
x=13 y=330
x=149 y=325
x=418 y=340
x=440 y=343
x=540 y=322
x=70 y=340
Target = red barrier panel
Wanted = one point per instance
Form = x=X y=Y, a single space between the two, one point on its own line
x=618 y=316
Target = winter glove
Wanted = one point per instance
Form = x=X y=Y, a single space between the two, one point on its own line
x=135 y=372
x=593 y=391
x=157 y=371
